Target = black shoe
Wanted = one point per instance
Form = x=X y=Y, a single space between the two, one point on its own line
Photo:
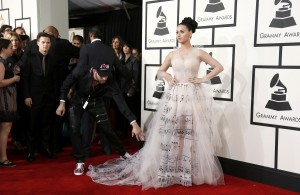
x=30 y=157
x=125 y=156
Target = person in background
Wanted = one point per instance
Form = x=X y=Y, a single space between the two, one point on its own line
x=19 y=30
x=138 y=56
x=77 y=42
x=8 y=103
x=130 y=88
x=24 y=37
x=17 y=46
x=39 y=90
x=136 y=53
x=20 y=127
x=25 y=40
x=63 y=51
x=94 y=80
x=181 y=136
x=5 y=30
x=117 y=45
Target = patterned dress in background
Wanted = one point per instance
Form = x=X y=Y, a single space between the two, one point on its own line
x=8 y=94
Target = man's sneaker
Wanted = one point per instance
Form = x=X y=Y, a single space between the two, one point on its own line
x=125 y=156
x=79 y=169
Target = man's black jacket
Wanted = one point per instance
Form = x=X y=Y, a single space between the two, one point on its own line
x=92 y=55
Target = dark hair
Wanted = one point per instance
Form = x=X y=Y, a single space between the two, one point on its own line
x=43 y=34
x=128 y=44
x=96 y=30
x=4 y=26
x=4 y=43
x=19 y=27
x=190 y=24
x=78 y=37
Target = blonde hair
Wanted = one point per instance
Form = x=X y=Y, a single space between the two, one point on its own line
x=13 y=34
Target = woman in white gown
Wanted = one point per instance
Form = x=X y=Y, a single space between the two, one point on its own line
x=181 y=137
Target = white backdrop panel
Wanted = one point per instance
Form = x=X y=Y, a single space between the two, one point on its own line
x=241 y=140
x=289 y=143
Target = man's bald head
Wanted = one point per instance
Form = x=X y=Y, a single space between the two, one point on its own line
x=51 y=30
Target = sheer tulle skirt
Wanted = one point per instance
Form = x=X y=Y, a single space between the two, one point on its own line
x=179 y=147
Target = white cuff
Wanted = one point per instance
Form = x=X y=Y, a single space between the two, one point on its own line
x=133 y=122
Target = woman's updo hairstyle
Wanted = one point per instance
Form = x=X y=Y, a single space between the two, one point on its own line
x=190 y=23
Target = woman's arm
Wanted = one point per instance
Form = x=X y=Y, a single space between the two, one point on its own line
x=217 y=67
x=208 y=59
x=162 y=71
x=6 y=82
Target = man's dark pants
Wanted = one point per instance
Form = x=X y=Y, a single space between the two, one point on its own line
x=97 y=109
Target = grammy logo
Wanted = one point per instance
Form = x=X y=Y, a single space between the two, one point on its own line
x=283 y=17
x=160 y=88
x=161 y=28
x=215 y=80
x=278 y=98
x=214 y=6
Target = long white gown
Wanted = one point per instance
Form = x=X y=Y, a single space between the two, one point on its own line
x=180 y=141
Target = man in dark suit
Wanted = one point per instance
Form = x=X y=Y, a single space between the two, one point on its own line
x=39 y=90
x=94 y=81
x=62 y=51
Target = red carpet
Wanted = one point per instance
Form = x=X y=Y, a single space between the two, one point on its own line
x=47 y=176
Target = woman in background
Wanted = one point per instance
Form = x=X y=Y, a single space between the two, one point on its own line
x=130 y=89
x=17 y=46
x=117 y=45
x=18 y=131
x=8 y=104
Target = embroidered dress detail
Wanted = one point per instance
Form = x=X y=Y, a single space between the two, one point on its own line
x=180 y=140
